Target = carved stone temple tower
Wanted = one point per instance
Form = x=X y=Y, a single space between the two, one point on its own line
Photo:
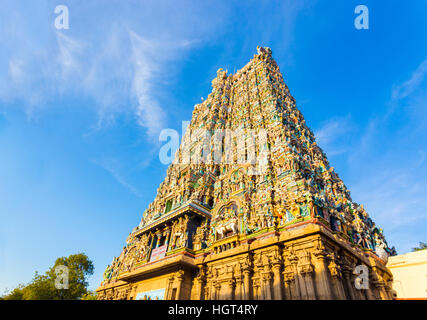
x=251 y=209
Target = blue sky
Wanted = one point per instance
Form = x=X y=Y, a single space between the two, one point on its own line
x=81 y=110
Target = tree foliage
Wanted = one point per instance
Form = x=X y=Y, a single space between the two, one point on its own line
x=90 y=295
x=15 y=294
x=422 y=246
x=42 y=287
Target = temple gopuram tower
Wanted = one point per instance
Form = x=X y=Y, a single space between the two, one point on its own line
x=251 y=209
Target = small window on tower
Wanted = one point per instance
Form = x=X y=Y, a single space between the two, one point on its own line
x=168 y=206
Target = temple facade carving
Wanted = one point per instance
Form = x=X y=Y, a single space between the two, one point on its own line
x=250 y=208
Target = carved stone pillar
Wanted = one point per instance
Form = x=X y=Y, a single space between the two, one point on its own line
x=380 y=285
x=289 y=279
x=169 y=287
x=364 y=294
x=217 y=291
x=167 y=232
x=132 y=294
x=257 y=295
x=199 y=285
x=336 y=276
x=159 y=236
x=208 y=290
x=126 y=293
x=196 y=290
x=247 y=284
x=324 y=289
x=179 y=279
x=266 y=285
x=347 y=280
x=358 y=293
x=306 y=272
x=238 y=290
x=297 y=293
x=229 y=295
x=277 y=282
x=369 y=294
x=109 y=295
x=388 y=289
x=100 y=295
x=260 y=288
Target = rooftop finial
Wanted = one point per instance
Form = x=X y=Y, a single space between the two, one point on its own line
x=264 y=50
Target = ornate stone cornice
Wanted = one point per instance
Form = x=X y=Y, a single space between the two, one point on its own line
x=192 y=206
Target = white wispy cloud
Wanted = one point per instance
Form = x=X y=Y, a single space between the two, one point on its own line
x=69 y=57
x=118 y=54
x=119 y=68
x=392 y=177
x=386 y=160
x=125 y=69
x=113 y=167
x=150 y=114
x=396 y=196
x=16 y=72
x=407 y=89
x=333 y=135
x=412 y=84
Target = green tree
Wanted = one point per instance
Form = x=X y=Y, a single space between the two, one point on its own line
x=15 y=294
x=42 y=287
x=90 y=295
x=80 y=267
x=422 y=246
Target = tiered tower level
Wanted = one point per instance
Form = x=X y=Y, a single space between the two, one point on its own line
x=250 y=209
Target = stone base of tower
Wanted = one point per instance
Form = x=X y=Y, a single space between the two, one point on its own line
x=304 y=261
